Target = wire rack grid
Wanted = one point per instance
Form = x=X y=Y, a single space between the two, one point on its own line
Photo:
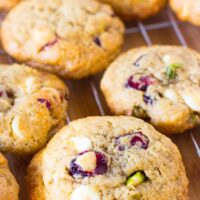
x=143 y=30
x=18 y=165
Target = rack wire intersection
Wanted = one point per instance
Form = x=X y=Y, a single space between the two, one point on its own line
x=143 y=30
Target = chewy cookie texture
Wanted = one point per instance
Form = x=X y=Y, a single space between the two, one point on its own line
x=107 y=158
x=8 y=186
x=71 y=38
x=136 y=9
x=32 y=104
x=187 y=10
x=159 y=83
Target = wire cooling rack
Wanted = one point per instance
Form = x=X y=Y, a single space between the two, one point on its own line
x=143 y=30
x=19 y=165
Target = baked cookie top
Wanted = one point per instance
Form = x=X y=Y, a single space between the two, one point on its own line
x=70 y=38
x=7 y=4
x=8 y=186
x=187 y=10
x=32 y=104
x=134 y=9
x=107 y=158
x=159 y=83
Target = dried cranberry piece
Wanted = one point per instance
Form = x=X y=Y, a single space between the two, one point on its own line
x=46 y=102
x=137 y=140
x=97 y=41
x=101 y=166
x=140 y=140
x=61 y=99
x=142 y=84
x=77 y=171
x=148 y=99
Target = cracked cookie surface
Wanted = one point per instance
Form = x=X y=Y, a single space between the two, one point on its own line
x=134 y=9
x=108 y=158
x=8 y=186
x=71 y=38
x=160 y=83
x=32 y=104
x=187 y=10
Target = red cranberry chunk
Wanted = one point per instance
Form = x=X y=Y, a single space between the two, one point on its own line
x=141 y=84
x=46 y=102
x=136 y=140
x=97 y=41
x=148 y=99
x=101 y=166
x=1 y=94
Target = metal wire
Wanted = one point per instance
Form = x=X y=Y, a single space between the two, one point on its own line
x=96 y=96
x=177 y=29
x=183 y=43
x=144 y=33
x=143 y=29
x=68 y=119
x=150 y=27
x=196 y=145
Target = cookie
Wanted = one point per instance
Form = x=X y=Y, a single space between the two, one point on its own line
x=134 y=9
x=187 y=10
x=32 y=104
x=159 y=83
x=71 y=38
x=108 y=158
x=8 y=186
x=7 y=4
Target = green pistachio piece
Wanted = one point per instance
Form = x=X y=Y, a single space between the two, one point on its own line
x=194 y=119
x=139 y=112
x=136 y=179
x=136 y=197
x=171 y=70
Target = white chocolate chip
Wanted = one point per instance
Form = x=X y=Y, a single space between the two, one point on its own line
x=172 y=94
x=87 y=161
x=171 y=59
x=85 y=192
x=191 y=96
x=82 y=143
x=16 y=127
x=30 y=84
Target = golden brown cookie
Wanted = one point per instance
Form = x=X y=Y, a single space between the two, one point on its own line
x=187 y=10
x=159 y=83
x=136 y=9
x=32 y=104
x=70 y=38
x=108 y=158
x=8 y=186
x=7 y=4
